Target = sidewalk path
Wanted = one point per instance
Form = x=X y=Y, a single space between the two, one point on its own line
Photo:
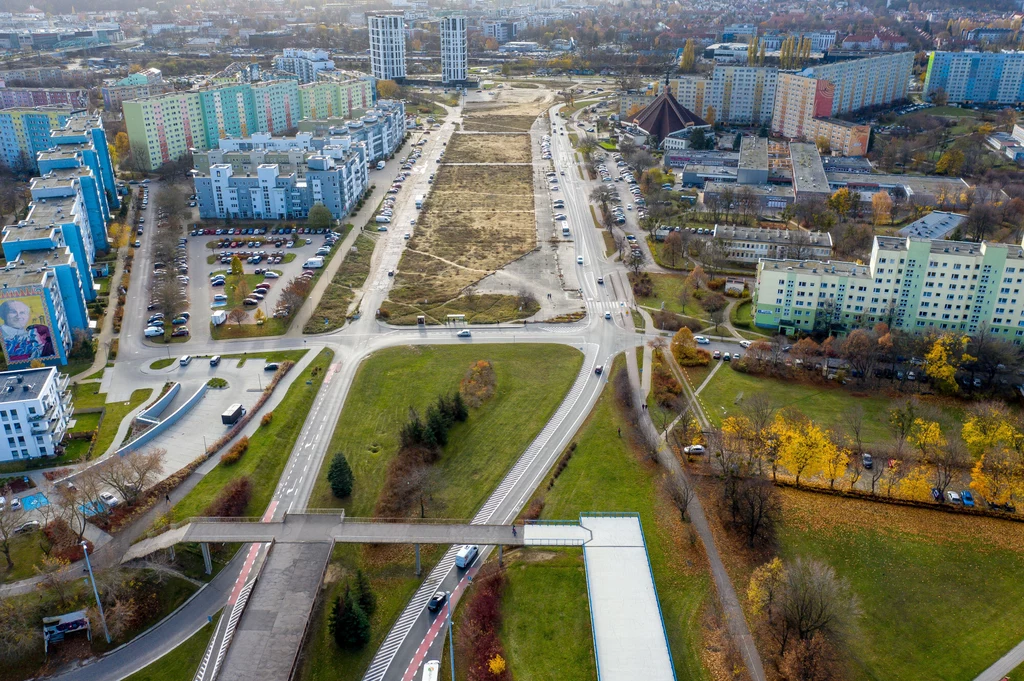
x=735 y=619
x=1004 y=665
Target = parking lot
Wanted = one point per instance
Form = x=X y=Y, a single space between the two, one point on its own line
x=271 y=256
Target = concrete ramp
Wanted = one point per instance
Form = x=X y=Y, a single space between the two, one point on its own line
x=629 y=633
x=161 y=541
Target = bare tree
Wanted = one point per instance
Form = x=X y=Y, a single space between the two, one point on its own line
x=131 y=474
x=759 y=509
x=238 y=315
x=814 y=600
x=636 y=260
x=55 y=577
x=949 y=463
x=853 y=421
x=681 y=493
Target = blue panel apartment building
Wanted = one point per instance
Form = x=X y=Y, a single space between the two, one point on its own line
x=976 y=77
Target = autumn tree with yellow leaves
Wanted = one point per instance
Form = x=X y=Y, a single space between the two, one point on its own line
x=945 y=357
x=804 y=448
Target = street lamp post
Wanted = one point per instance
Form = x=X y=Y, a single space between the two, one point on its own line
x=451 y=639
x=95 y=591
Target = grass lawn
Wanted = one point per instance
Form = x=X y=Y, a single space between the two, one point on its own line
x=824 y=405
x=269 y=448
x=920 y=577
x=604 y=474
x=180 y=662
x=86 y=422
x=548 y=637
x=26 y=553
x=275 y=356
x=661 y=258
x=163 y=363
x=98 y=374
x=115 y=413
x=667 y=289
x=531 y=381
x=742 y=316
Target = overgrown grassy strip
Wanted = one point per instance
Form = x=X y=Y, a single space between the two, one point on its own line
x=269 y=448
x=331 y=310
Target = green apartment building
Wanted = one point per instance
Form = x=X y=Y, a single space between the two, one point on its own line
x=165 y=127
x=910 y=284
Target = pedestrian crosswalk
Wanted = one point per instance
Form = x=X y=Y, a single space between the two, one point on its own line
x=607 y=305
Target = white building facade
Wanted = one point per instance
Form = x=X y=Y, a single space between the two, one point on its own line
x=387 y=46
x=305 y=64
x=35 y=408
x=454 y=50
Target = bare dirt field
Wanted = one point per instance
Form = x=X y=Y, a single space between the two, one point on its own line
x=484 y=122
x=485 y=148
x=475 y=220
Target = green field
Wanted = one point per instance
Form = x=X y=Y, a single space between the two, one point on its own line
x=604 y=474
x=941 y=596
x=182 y=662
x=556 y=626
x=825 y=405
x=115 y=413
x=269 y=448
x=26 y=552
x=531 y=380
x=667 y=289
x=86 y=422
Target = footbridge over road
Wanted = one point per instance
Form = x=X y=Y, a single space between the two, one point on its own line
x=333 y=526
x=630 y=641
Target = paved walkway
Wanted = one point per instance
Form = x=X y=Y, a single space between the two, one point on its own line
x=735 y=619
x=1004 y=665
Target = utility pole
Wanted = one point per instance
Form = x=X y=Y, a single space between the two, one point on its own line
x=95 y=591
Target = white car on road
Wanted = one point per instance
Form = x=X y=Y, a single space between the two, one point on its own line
x=702 y=340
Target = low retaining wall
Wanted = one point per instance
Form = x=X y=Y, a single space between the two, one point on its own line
x=152 y=413
x=160 y=427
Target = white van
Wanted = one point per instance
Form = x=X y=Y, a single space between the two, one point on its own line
x=383 y=218
x=313 y=263
x=380 y=165
x=185 y=360
x=466 y=555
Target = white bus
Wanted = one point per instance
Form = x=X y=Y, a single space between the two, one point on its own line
x=432 y=671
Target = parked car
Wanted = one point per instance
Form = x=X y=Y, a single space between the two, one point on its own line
x=271 y=366
x=153 y=332
x=180 y=332
x=967 y=498
x=215 y=360
x=867 y=461
x=694 y=449
x=717 y=354
x=109 y=500
x=953 y=496
x=936 y=494
x=30 y=526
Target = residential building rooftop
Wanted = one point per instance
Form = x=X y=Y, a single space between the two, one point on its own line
x=935 y=225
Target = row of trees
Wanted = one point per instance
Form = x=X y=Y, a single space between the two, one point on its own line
x=349 y=617
x=950 y=360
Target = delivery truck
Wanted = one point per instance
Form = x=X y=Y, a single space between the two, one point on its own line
x=218 y=317
x=233 y=413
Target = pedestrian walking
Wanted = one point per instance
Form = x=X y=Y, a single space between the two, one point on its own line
x=168 y=498
x=513 y=530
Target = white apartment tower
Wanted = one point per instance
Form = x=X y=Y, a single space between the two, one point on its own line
x=454 y=53
x=387 y=46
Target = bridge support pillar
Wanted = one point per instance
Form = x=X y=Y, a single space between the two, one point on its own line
x=207 y=561
x=501 y=555
x=171 y=550
x=419 y=570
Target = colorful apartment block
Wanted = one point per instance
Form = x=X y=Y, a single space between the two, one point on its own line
x=166 y=127
x=26 y=132
x=24 y=97
x=336 y=99
x=976 y=77
x=145 y=83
